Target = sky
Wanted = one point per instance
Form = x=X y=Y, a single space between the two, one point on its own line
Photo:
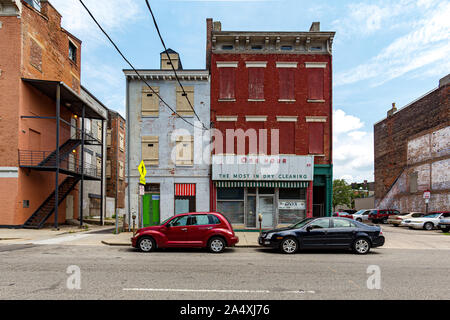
x=384 y=51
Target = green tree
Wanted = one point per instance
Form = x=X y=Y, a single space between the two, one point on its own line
x=342 y=193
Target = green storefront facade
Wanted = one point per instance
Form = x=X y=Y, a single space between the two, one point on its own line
x=322 y=190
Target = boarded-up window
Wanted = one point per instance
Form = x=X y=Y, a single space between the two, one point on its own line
x=121 y=170
x=108 y=137
x=256 y=83
x=185 y=151
x=183 y=106
x=108 y=168
x=150 y=101
x=287 y=137
x=286 y=83
x=315 y=83
x=150 y=150
x=316 y=137
x=227 y=80
x=413 y=182
x=121 y=142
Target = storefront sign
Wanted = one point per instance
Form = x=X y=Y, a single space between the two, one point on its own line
x=292 y=205
x=263 y=168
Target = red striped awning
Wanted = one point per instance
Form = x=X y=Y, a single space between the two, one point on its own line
x=185 y=189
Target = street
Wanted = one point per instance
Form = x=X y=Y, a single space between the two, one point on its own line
x=30 y=271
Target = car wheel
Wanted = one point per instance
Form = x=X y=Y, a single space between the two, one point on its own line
x=428 y=226
x=445 y=229
x=289 y=245
x=359 y=219
x=384 y=221
x=361 y=246
x=146 y=244
x=395 y=225
x=216 y=245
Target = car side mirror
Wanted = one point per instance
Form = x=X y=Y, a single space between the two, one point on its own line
x=167 y=225
x=309 y=228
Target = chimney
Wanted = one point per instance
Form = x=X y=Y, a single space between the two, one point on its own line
x=217 y=26
x=209 y=29
x=174 y=57
x=392 y=111
x=315 y=27
x=444 y=81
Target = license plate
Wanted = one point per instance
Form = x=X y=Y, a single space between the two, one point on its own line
x=267 y=242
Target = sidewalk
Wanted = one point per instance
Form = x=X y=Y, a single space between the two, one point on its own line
x=246 y=239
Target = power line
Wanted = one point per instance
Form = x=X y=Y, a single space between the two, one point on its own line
x=170 y=60
x=134 y=69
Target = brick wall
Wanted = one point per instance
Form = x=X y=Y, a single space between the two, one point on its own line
x=392 y=134
x=114 y=154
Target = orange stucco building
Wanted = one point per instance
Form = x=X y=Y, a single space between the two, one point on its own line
x=40 y=109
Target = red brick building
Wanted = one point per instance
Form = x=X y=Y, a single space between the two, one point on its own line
x=269 y=81
x=40 y=112
x=412 y=153
x=115 y=163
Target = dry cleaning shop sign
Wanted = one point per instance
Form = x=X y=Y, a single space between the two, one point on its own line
x=262 y=168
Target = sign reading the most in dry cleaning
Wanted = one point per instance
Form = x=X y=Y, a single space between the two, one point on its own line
x=263 y=168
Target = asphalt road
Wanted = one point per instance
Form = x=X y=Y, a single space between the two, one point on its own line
x=39 y=272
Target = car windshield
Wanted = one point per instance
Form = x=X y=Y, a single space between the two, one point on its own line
x=301 y=223
x=373 y=211
x=164 y=222
x=359 y=212
x=434 y=215
x=404 y=213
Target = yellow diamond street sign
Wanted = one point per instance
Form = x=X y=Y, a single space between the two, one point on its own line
x=142 y=172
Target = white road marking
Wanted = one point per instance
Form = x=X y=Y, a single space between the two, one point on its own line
x=61 y=239
x=213 y=290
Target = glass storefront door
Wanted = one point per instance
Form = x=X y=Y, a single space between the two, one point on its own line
x=250 y=221
x=266 y=209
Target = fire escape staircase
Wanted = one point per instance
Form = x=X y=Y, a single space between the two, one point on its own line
x=41 y=215
x=64 y=151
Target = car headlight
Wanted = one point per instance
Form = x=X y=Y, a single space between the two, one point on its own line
x=269 y=236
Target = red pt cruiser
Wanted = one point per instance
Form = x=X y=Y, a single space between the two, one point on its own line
x=188 y=230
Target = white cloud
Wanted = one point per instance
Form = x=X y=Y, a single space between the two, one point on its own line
x=352 y=148
x=427 y=44
x=111 y=14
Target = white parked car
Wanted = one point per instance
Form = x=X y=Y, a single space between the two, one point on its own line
x=362 y=215
x=427 y=222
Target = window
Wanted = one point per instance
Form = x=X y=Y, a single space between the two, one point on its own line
x=286 y=84
x=227 y=83
x=150 y=102
x=230 y=202
x=108 y=168
x=121 y=170
x=88 y=126
x=286 y=133
x=99 y=131
x=315 y=83
x=339 y=223
x=99 y=166
x=316 y=144
x=199 y=220
x=183 y=107
x=121 y=142
x=320 y=224
x=227 y=47
x=72 y=51
x=286 y=47
x=150 y=150
x=108 y=137
x=185 y=197
x=179 y=222
x=185 y=151
x=256 y=83
x=213 y=219
x=257 y=47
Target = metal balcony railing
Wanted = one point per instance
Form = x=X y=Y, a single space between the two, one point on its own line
x=39 y=159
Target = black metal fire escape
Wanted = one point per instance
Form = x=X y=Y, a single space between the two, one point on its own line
x=63 y=159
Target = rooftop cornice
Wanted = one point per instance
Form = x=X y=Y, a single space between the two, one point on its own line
x=157 y=74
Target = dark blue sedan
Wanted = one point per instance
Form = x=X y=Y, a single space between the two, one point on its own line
x=324 y=233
